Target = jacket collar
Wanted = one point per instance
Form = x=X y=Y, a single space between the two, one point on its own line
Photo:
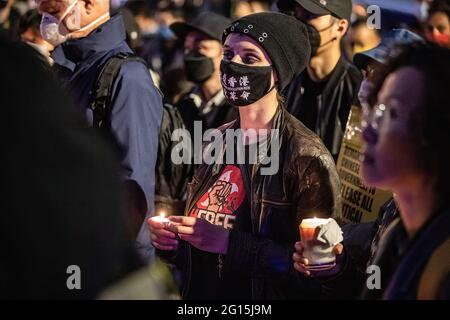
x=338 y=73
x=106 y=37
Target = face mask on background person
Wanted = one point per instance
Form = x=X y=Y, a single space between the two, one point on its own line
x=53 y=30
x=56 y=32
x=244 y=85
x=314 y=39
x=198 y=67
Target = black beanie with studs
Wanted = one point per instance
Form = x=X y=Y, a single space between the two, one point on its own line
x=283 y=38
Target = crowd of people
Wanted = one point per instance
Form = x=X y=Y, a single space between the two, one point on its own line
x=97 y=92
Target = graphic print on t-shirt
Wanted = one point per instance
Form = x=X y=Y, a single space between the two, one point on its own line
x=219 y=204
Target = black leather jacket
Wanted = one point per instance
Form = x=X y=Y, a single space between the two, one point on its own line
x=305 y=185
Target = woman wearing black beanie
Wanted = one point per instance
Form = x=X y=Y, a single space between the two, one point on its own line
x=242 y=215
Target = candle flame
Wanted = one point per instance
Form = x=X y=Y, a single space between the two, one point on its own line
x=162 y=214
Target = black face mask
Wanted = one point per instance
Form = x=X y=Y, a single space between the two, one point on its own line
x=199 y=68
x=244 y=85
x=315 y=38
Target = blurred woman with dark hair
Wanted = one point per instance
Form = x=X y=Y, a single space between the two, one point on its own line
x=406 y=134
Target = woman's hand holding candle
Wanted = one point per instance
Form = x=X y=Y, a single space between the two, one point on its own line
x=162 y=238
x=200 y=233
x=301 y=263
x=320 y=244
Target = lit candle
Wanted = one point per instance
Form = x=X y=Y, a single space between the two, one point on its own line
x=161 y=219
x=320 y=257
x=308 y=227
x=314 y=222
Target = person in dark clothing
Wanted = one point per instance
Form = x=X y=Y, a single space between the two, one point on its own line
x=61 y=193
x=361 y=240
x=203 y=51
x=413 y=164
x=361 y=244
x=241 y=220
x=151 y=44
x=369 y=62
x=83 y=46
x=321 y=97
x=404 y=154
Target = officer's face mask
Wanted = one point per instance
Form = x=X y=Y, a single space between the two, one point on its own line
x=198 y=67
x=243 y=85
x=56 y=32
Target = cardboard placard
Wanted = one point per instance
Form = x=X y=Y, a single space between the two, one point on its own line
x=360 y=203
